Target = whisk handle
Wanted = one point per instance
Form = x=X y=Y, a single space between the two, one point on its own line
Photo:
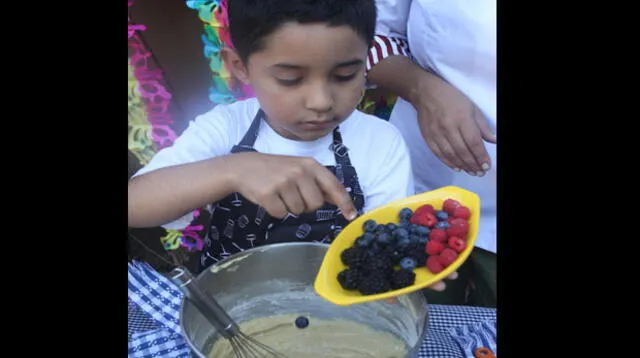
x=204 y=302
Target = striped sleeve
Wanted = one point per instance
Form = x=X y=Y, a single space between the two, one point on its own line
x=385 y=46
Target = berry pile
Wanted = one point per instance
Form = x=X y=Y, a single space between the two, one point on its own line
x=385 y=256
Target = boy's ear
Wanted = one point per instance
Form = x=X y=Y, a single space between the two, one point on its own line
x=235 y=64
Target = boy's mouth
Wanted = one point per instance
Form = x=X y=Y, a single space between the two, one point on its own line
x=320 y=124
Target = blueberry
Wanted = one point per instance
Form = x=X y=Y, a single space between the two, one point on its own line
x=441 y=215
x=405 y=225
x=415 y=239
x=384 y=238
x=391 y=226
x=422 y=240
x=369 y=225
x=364 y=241
x=408 y=263
x=380 y=228
x=442 y=225
x=415 y=229
x=405 y=214
x=369 y=236
x=421 y=231
x=403 y=242
x=302 y=322
x=400 y=233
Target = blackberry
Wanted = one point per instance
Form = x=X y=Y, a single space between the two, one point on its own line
x=402 y=278
x=395 y=254
x=418 y=253
x=374 y=249
x=353 y=256
x=374 y=283
x=350 y=278
x=382 y=262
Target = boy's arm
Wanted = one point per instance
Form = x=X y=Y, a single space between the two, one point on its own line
x=280 y=184
x=163 y=195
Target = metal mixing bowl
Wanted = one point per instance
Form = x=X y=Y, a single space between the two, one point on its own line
x=250 y=284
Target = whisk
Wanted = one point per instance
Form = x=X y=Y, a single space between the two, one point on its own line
x=244 y=346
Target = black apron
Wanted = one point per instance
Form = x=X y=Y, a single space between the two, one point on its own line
x=237 y=224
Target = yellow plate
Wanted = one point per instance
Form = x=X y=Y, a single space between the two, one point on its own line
x=327 y=285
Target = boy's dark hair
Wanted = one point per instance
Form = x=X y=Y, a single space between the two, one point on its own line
x=250 y=21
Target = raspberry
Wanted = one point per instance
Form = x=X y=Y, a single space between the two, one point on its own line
x=459 y=227
x=447 y=257
x=457 y=244
x=438 y=235
x=434 y=265
x=450 y=205
x=434 y=247
x=425 y=209
x=426 y=219
x=462 y=212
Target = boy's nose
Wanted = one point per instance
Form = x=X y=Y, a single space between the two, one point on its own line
x=319 y=99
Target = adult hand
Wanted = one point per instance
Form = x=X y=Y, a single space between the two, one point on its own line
x=453 y=127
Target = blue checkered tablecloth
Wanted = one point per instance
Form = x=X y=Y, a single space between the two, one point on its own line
x=154 y=332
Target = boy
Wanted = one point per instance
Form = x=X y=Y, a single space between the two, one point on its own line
x=296 y=163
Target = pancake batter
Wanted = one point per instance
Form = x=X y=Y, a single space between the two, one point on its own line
x=321 y=339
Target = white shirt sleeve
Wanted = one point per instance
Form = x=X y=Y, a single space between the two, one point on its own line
x=392 y=18
x=394 y=179
x=206 y=137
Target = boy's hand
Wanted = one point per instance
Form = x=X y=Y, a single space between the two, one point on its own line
x=282 y=184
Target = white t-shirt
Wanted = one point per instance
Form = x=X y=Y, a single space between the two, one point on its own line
x=457 y=40
x=376 y=150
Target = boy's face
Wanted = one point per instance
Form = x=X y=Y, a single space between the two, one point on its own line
x=308 y=78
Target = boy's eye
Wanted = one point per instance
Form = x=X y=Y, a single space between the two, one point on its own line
x=289 y=82
x=345 y=78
